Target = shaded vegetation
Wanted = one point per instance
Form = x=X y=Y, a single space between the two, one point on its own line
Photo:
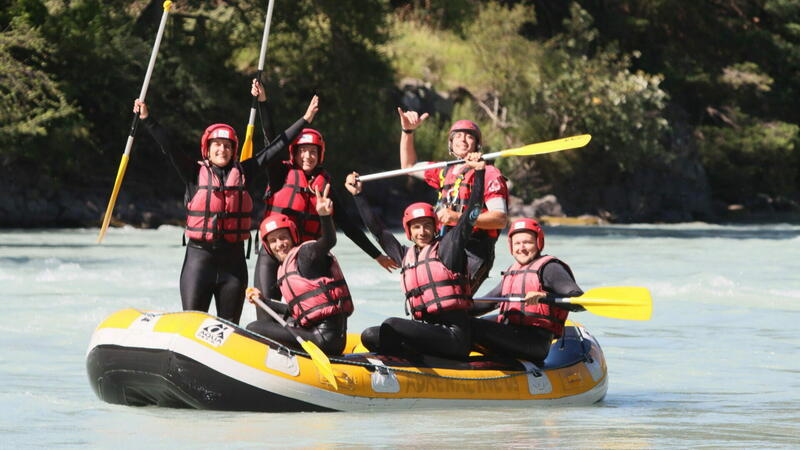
x=676 y=95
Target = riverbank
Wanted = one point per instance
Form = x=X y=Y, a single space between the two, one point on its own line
x=50 y=206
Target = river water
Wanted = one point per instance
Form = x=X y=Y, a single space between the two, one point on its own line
x=717 y=366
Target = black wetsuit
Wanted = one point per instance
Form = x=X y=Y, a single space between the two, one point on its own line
x=521 y=341
x=313 y=261
x=266 y=266
x=215 y=268
x=445 y=334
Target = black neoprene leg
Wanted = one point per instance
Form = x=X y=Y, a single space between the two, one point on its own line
x=480 y=259
x=198 y=277
x=231 y=282
x=516 y=341
x=446 y=334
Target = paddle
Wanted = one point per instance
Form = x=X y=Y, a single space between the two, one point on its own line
x=623 y=302
x=247 y=147
x=527 y=150
x=317 y=355
x=123 y=164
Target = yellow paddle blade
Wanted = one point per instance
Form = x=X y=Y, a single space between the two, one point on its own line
x=321 y=361
x=247 y=147
x=623 y=302
x=549 y=146
x=123 y=165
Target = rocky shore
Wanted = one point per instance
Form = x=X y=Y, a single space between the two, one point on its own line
x=49 y=205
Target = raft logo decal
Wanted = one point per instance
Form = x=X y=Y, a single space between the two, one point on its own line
x=145 y=322
x=213 y=332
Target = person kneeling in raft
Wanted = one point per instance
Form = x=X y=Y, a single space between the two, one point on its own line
x=434 y=275
x=526 y=329
x=314 y=291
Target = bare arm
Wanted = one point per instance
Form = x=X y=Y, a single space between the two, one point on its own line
x=409 y=121
x=492 y=220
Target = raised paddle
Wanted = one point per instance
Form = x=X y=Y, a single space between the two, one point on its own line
x=247 y=147
x=623 y=302
x=527 y=150
x=317 y=355
x=123 y=164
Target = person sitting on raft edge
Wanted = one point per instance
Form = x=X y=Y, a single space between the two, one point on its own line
x=217 y=225
x=525 y=330
x=315 y=293
x=292 y=178
x=434 y=277
x=455 y=183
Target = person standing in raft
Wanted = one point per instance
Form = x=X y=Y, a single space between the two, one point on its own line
x=314 y=290
x=525 y=330
x=219 y=204
x=434 y=275
x=455 y=184
x=290 y=192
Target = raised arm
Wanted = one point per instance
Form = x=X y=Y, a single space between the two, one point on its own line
x=313 y=260
x=276 y=148
x=409 y=121
x=390 y=245
x=257 y=90
x=353 y=231
x=186 y=166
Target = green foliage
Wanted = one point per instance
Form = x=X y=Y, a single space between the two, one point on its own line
x=30 y=97
x=31 y=102
x=89 y=58
x=525 y=91
x=69 y=71
x=751 y=158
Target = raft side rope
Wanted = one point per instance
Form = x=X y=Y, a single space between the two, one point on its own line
x=375 y=367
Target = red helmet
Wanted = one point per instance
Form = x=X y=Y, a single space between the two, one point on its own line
x=466 y=126
x=527 y=225
x=276 y=221
x=308 y=136
x=415 y=211
x=219 y=131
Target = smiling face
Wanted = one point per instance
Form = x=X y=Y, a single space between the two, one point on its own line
x=280 y=243
x=220 y=152
x=462 y=143
x=422 y=231
x=306 y=157
x=523 y=246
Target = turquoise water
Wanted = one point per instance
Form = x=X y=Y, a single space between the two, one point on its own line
x=717 y=366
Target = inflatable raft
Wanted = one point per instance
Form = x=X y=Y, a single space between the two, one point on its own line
x=195 y=360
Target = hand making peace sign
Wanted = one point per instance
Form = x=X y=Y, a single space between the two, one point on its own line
x=324 y=203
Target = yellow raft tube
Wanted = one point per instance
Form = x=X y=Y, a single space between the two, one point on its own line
x=195 y=360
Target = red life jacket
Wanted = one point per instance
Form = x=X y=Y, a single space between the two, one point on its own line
x=455 y=190
x=430 y=286
x=217 y=210
x=312 y=301
x=296 y=199
x=519 y=280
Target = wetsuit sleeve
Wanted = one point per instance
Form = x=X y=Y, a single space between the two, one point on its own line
x=275 y=150
x=479 y=309
x=313 y=260
x=386 y=239
x=350 y=228
x=186 y=166
x=558 y=282
x=267 y=128
x=451 y=250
